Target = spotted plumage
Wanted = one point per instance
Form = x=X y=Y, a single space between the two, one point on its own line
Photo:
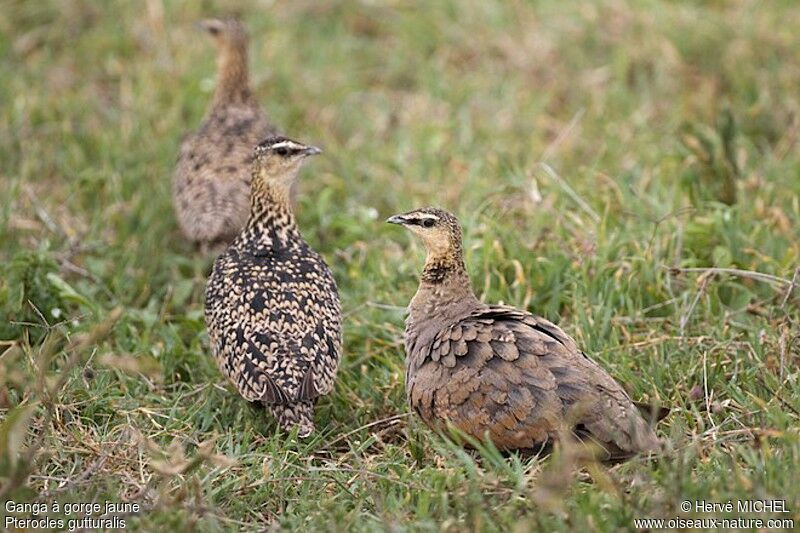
x=272 y=307
x=211 y=183
x=498 y=372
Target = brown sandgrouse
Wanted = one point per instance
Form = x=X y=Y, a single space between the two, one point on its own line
x=499 y=372
x=211 y=183
x=272 y=308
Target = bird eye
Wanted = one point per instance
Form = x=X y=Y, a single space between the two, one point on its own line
x=427 y=222
x=282 y=151
x=213 y=30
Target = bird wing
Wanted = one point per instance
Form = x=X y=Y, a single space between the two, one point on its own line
x=322 y=343
x=518 y=377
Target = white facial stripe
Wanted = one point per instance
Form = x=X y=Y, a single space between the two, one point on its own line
x=289 y=145
x=428 y=216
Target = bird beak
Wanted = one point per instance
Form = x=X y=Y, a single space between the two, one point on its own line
x=312 y=150
x=397 y=219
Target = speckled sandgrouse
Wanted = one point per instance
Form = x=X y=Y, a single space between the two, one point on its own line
x=211 y=184
x=272 y=307
x=498 y=371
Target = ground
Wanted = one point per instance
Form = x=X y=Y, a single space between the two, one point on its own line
x=601 y=156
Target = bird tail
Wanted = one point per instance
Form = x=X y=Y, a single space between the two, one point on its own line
x=300 y=414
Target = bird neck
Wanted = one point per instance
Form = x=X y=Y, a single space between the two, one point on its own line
x=233 y=83
x=272 y=224
x=447 y=267
x=444 y=290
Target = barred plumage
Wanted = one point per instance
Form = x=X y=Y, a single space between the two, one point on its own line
x=272 y=306
x=498 y=372
x=211 y=184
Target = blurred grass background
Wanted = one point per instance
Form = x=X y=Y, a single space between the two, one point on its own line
x=590 y=149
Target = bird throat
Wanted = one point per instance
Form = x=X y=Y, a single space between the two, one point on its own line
x=445 y=265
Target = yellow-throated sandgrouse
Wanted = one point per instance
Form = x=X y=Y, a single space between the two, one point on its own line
x=500 y=372
x=211 y=184
x=272 y=307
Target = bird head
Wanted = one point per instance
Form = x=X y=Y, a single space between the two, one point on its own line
x=226 y=33
x=439 y=230
x=278 y=159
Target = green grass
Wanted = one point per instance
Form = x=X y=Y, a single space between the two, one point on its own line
x=671 y=129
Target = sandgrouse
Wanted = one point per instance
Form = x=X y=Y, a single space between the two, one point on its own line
x=211 y=184
x=498 y=372
x=272 y=307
